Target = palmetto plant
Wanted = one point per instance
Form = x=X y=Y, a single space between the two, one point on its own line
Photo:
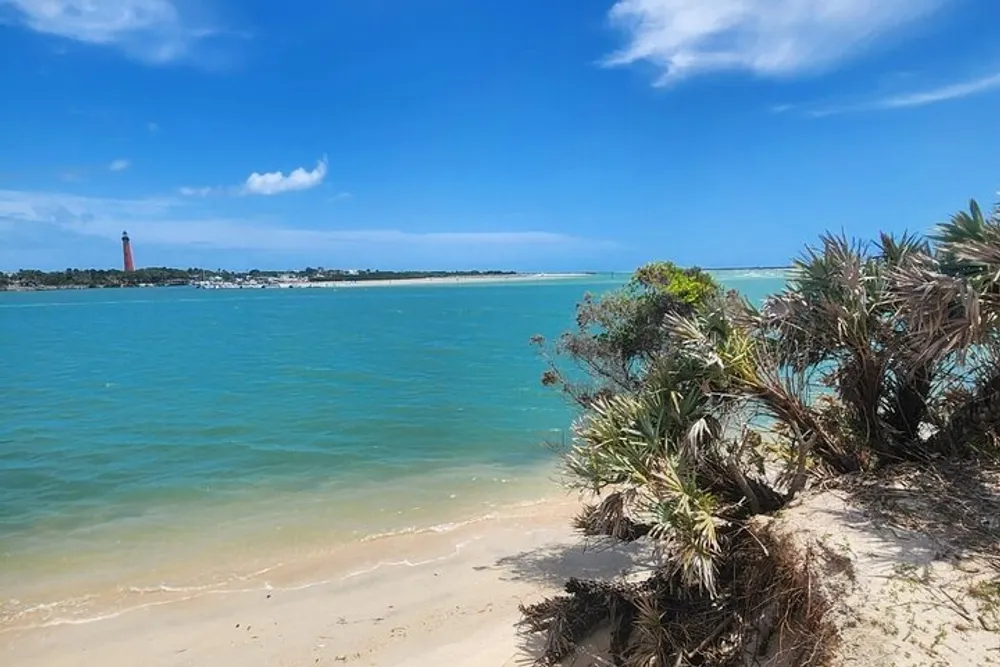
x=679 y=462
x=951 y=299
x=675 y=457
x=653 y=482
x=711 y=412
x=838 y=321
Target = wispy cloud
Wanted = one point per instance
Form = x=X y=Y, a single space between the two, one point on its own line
x=268 y=183
x=150 y=30
x=198 y=192
x=72 y=175
x=943 y=93
x=121 y=164
x=685 y=38
x=171 y=222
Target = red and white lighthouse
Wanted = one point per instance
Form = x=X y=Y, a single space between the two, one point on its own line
x=127 y=253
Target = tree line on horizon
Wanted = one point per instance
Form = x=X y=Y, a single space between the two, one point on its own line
x=701 y=413
x=96 y=277
x=163 y=276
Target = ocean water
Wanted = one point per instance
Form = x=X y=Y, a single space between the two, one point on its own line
x=167 y=439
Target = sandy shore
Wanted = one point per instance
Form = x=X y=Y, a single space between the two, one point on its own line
x=914 y=587
x=434 y=598
x=457 y=280
x=444 y=280
x=449 y=280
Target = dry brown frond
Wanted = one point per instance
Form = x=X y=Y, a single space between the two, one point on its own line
x=610 y=519
x=956 y=503
x=769 y=604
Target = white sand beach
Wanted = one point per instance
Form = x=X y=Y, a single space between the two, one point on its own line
x=449 y=596
x=434 y=598
x=431 y=281
x=457 y=280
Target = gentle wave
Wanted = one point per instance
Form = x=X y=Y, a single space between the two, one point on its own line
x=50 y=611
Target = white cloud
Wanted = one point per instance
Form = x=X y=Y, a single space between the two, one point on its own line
x=151 y=30
x=269 y=183
x=102 y=22
x=275 y=182
x=685 y=38
x=945 y=93
x=121 y=164
x=170 y=222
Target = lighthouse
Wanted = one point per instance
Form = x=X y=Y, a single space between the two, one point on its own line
x=127 y=253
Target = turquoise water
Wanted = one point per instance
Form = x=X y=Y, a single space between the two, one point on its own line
x=142 y=428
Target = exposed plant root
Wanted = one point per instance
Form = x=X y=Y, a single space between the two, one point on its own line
x=769 y=611
x=778 y=597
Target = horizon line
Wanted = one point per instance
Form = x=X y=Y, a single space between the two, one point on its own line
x=367 y=270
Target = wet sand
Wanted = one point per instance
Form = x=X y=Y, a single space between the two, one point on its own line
x=446 y=597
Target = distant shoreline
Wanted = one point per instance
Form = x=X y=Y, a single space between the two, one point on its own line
x=352 y=281
x=748 y=268
x=399 y=282
x=347 y=282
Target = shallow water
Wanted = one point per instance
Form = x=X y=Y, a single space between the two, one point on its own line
x=174 y=438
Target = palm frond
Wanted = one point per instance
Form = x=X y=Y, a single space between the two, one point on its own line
x=964 y=226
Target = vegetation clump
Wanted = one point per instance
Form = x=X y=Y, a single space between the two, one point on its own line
x=702 y=412
x=618 y=336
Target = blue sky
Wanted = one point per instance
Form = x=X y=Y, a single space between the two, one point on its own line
x=558 y=135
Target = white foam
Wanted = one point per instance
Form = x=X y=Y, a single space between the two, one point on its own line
x=436 y=528
x=409 y=563
x=165 y=588
x=73 y=611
